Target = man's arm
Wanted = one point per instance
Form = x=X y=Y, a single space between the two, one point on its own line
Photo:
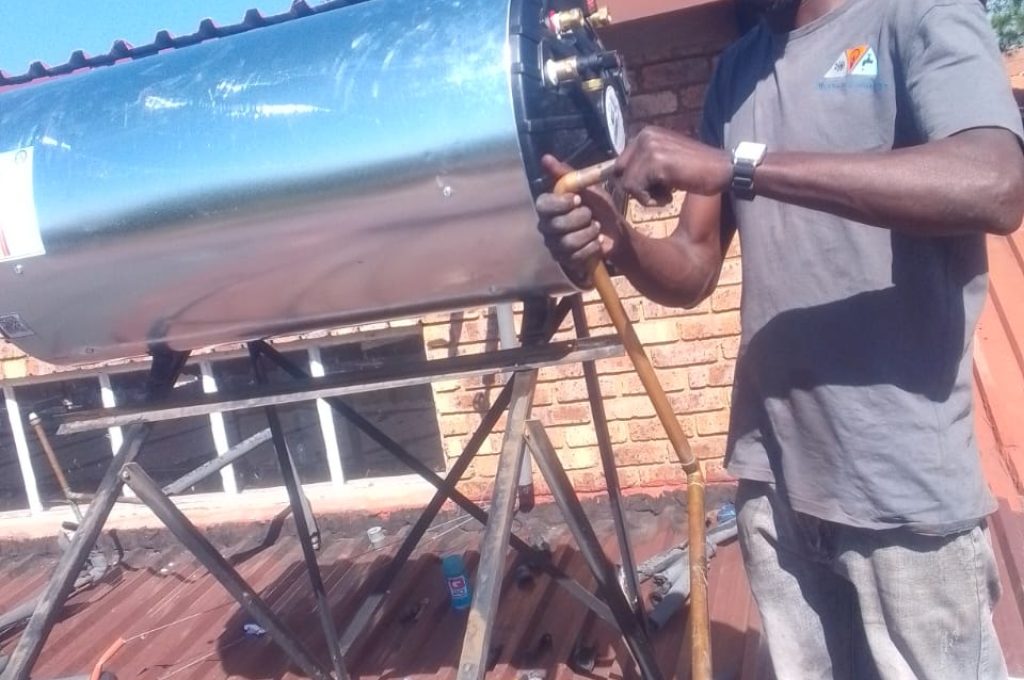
x=970 y=182
x=683 y=269
x=679 y=271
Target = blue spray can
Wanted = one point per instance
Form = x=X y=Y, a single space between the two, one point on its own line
x=458 y=583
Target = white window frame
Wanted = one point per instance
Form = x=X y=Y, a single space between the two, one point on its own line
x=221 y=443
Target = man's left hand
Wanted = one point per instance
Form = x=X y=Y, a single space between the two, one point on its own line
x=658 y=162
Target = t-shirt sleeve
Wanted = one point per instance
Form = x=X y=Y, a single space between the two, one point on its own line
x=954 y=72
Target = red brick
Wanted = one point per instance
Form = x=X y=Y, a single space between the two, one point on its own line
x=709 y=448
x=685 y=122
x=720 y=325
x=453 y=446
x=734 y=249
x=628 y=408
x=656 y=332
x=544 y=395
x=652 y=430
x=624 y=288
x=9 y=351
x=642 y=453
x=14 y=368
x=722 y=374
x=652 y=310
x=556 y=435
x=568 y=414
x=716 y=422
x=685 y=354
x=698 y=376
x=670 y=379
x=687 y=71
x=697 y=401
x=661 y=475
x=638 y=214
x=730 y=347
x=587 y=481
x=477 y=489
x=726 y=298
x=580 y=436
x=580 y=459
x=597 y=315
x=444 y=386
x=629 y=477
x=562 y=371
x=611 y=385
x=732 y=273
x=620 y=364
x=653 y=104
x=569 y=391
x=692 y=97
x=485 y=466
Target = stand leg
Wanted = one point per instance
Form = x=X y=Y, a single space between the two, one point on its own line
x=302 y=513
x=611 y=471
x=166 y=368
x=590 y=548
x=197 y=544
x=472 y=665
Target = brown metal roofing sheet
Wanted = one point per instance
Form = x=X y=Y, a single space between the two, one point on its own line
x=178 y=622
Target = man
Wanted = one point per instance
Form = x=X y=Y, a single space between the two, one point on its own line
x=891 y=147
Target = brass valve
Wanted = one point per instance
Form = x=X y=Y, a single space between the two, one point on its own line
x=571 y=19
x=563 y=22
x=558 y=71
x=601 y=17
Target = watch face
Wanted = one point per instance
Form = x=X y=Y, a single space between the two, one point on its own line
x=750 y=152
x=614 y=120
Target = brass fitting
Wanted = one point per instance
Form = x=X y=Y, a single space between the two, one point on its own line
x=593 y=85
x=569 y=20
x=601 y=17
x=558 y=71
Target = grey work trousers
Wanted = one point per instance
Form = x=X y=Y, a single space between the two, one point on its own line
x=843 y=603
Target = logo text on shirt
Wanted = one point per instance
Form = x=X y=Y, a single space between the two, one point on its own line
x=856 y=67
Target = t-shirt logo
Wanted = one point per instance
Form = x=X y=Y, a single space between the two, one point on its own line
x=856 y=61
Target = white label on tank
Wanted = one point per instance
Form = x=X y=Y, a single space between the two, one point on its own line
x=19 y=224
x=614 y=119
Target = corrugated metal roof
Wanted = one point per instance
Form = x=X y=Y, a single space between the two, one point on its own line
x=208 y=30
x=999 y=369
x=178 y=623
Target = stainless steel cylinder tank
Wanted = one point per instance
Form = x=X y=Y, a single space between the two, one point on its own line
x=366 y=162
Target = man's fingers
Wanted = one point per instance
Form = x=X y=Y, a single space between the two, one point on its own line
x=582 y=256
x=573 y=221
x=554 y=167
x=575 y=241
x=551 y=205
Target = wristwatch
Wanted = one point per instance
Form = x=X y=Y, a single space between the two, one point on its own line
x=745 y=159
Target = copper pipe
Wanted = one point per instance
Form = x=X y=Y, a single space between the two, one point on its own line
x=576 y=181
x=37 y=424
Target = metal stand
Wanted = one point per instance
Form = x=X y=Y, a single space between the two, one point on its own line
x=615 y=602
x=303 y=527
x=603 y=571
x=611 y=471
x=164 y=372
x=194 y=541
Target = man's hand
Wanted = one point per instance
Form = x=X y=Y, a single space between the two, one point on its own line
x=658 y=162
x=578 y=227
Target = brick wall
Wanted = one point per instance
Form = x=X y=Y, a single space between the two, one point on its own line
x=670 y=58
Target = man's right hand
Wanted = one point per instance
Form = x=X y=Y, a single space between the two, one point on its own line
x=578 y=227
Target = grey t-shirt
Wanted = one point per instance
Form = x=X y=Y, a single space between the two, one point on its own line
x=853 y=388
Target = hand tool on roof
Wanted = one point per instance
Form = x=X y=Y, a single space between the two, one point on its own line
x=574 y=182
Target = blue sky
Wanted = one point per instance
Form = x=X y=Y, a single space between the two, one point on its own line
x=49 y=30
